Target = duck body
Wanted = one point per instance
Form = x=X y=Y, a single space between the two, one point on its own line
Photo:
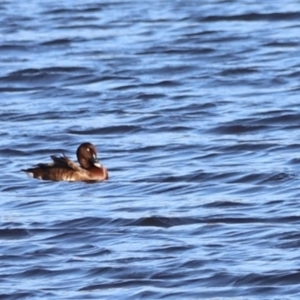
x=64 y=169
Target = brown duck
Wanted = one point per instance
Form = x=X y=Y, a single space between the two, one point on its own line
x=64 y=169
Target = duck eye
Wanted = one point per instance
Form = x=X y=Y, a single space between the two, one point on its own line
x=88 y=149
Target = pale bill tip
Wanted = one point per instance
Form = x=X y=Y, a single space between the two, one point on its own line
x=98 y=165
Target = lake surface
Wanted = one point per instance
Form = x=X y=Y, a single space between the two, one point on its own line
x=194 y=109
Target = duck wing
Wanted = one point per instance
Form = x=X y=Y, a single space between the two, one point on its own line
x=65 y=162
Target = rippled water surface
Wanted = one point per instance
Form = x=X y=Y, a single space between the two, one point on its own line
x=194 y=109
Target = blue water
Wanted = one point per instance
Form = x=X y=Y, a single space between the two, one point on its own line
x=194 y=109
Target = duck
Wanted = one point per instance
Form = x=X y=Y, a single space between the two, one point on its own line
x=64 y=169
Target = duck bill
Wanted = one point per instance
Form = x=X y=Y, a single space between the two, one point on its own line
x=96 y=162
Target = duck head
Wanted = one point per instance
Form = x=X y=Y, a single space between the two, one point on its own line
x=87 y=156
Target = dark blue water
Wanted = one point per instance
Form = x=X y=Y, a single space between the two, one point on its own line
x=194 y=108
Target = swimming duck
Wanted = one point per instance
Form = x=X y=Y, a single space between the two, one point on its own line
x=64 y=169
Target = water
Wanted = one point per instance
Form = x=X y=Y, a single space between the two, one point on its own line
x=194 y=109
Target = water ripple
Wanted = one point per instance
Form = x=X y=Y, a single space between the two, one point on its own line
x=194 y=111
